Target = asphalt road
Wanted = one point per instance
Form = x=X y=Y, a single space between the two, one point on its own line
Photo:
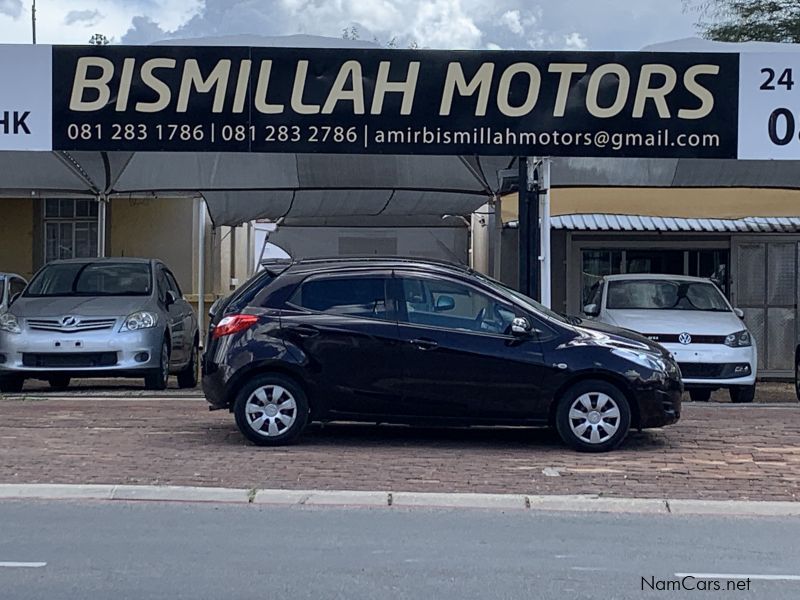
x=141 y=551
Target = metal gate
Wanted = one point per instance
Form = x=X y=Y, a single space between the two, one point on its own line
x=764 y=285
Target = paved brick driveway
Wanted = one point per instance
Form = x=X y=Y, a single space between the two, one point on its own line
x=716 y=451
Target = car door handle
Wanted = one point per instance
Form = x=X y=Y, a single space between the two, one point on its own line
x=306 y=330
x=424 y=344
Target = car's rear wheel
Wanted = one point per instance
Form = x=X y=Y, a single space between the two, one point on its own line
x=59 y=382
x=187 y=378
x=11 y=384
x=593 y=416
x=742 y=394
x=158 y=378
x=700 y=395
x=271 y=410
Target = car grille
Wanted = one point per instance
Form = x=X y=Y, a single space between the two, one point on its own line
x=713 y=370
x=80 y=325
x=672 y=338
x=74 y=360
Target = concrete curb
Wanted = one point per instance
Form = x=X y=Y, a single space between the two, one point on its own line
x=402 y=500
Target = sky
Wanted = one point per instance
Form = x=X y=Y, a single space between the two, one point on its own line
x=448 y=24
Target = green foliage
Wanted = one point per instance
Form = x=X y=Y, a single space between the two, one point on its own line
x=98 y=39
x=748 y=20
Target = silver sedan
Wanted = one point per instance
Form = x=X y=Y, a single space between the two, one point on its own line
x=114 y=317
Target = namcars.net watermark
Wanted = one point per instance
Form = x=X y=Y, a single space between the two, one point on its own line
x=691 y=583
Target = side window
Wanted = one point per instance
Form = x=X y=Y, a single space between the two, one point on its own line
x=453 y=305
x=163 y=285
x=173 y=284
x=351 y=296
x=16 y=287
x=596 y=294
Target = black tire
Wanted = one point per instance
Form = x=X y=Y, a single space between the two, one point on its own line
x=285 y=436
x=59 y=382
x=700 y=395
x=187 y=377
x=593 y=388
x=742 y=394
x=157 y=379
x=11 y=384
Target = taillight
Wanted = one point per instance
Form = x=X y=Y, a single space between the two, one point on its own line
x=233 y=324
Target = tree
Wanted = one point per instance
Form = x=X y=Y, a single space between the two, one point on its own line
x=748 y=20
x=98 y=39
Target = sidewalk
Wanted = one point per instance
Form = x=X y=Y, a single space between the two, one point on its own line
x=722 y=452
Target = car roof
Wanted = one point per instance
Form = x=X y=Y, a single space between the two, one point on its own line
x=654 y=276
x=323 y=264
x=109 y=259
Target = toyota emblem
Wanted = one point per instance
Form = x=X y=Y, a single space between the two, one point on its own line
x=685 y=338
x=69 y=322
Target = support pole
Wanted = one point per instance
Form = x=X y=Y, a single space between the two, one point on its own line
x=544 y=254
x=102 y=204
x=201 y=267
x=496 y=236
x=528 y=227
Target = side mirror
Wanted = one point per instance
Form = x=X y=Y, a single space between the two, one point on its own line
x=591 y=310
x=172 y=297
x=739 y=313
x=444 y=303
x=520 y=326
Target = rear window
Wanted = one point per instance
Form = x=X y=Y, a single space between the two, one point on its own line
x=92 y=279
x=352 y=296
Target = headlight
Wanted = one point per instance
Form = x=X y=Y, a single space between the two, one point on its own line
x=644 y=359
x=139 y=320
x=9 y=323
x=739 y=339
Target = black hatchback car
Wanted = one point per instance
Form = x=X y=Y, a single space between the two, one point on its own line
x=390 y=340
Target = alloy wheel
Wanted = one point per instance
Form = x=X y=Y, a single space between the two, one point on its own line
x=271 y=410
x=594 y=417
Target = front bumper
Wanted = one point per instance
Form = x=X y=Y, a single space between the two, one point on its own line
x=39 y=354
x=717 y=361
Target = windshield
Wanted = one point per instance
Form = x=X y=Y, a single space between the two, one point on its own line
x=658 y=294
x=92 y=279
x=525 y=301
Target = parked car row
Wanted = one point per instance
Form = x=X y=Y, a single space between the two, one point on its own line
x=116 y=317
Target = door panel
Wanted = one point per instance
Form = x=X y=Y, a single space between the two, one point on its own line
x=346 y=336
x=457 y=364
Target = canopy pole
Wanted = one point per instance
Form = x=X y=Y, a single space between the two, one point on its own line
x=528 y=227
x=102 y=203
x=544 y=256
x=201 y=267
x=496 y=236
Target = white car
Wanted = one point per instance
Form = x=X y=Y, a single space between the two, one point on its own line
x=692 y=319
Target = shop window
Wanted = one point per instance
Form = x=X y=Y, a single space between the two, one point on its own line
x=670 y=262
x=70 y=228
x=712 y=264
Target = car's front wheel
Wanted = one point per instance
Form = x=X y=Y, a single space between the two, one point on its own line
x=742 y=394
x=271 y=410
x=158 y=378
x=593 y=416
x=187 y=378
x=11 y=384
x=59 y=382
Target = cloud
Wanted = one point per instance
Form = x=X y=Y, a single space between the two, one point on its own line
x=575 y=41
x=86 y=17
x=12 y=8
x=513 y=21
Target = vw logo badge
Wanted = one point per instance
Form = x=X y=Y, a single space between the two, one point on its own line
x=685 y=338
x=69 y=322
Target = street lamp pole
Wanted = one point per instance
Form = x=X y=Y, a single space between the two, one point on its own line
x=33 y=20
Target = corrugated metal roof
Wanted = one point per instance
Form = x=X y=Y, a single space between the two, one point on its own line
x=606 y=222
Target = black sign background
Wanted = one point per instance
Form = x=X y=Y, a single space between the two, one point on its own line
x=577 y=133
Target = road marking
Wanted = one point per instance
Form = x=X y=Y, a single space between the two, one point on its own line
x=589 y=569
x=740 y=576
x=23 y=565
